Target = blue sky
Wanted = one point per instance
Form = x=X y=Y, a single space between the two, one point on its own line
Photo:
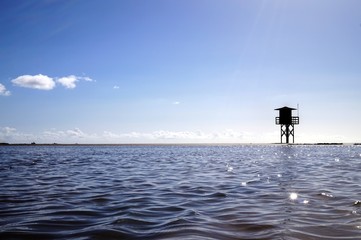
x=165 y=71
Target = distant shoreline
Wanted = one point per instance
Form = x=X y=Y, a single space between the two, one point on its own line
x=176 y=144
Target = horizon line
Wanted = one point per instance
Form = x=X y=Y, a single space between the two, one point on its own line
x=173 y=144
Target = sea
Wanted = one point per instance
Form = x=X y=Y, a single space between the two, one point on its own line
x=180 y=192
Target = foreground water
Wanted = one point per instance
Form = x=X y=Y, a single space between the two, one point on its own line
x=180 y=192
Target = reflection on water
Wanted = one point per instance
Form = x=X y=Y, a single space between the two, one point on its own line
x=180 y=192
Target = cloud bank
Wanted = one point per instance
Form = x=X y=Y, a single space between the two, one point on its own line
x=76 y=135
x=3 y=91
x=12 y=135
x=43 y=82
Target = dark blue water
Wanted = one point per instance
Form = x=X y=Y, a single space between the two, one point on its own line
x=180 y=192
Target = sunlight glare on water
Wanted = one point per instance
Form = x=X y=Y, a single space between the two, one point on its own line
x=293 y=196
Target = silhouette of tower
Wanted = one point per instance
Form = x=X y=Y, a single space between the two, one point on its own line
x=287 y=122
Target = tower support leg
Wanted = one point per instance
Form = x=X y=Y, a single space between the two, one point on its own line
x=287 y=130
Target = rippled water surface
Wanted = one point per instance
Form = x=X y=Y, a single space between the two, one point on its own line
x=180 y=192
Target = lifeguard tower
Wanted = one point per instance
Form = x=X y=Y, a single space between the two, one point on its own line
x=287 y=122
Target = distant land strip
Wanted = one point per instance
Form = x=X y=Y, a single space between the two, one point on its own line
x=171 y=144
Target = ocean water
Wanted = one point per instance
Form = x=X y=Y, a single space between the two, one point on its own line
x=180 y=192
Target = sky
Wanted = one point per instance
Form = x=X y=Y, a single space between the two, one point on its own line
x=167 y=71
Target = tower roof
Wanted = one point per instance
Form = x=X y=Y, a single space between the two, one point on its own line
x=285 y=108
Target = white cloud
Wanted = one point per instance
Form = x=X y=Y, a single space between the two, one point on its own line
x=176 y=103
x=69 y=81
x=7 y=130
x=10 y=134
x=110 y=135
x=88 y=79
x=116 y=87
x=3 y=91
x=54 y=135
x=76 y=132
x=44 y=82
x=41 y=82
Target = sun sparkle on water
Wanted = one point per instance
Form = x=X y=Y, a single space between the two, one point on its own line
x=293 y=196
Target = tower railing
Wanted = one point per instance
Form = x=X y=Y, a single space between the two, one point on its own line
x=294 y=121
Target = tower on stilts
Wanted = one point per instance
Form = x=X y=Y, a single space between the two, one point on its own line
x=287 y=122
